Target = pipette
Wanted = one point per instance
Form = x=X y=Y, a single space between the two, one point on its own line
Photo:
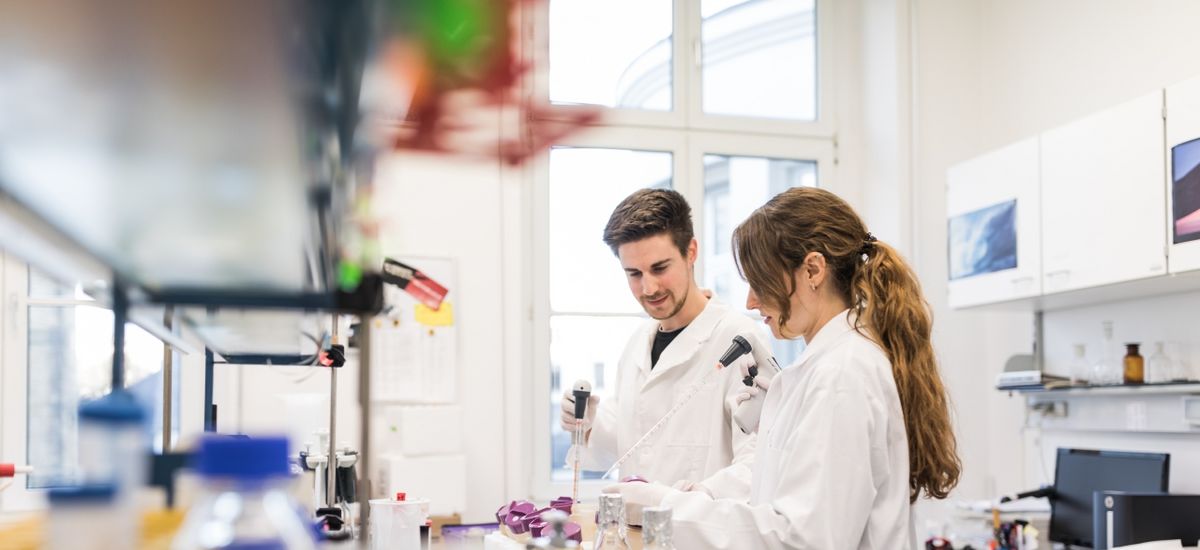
x=582 y=391
x=688 y=394
x=736 y=350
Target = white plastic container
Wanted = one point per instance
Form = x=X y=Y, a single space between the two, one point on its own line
x=396 y=523
x=83 y=518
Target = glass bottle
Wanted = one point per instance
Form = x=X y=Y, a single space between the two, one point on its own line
x=1158 y=366
x=247 y=501
x=1106 y=370
x=1079 y=367
x=610 y=528
x=656 y=529
x=1135 y=372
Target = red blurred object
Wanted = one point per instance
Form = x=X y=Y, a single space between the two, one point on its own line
x=416 y=283
x=459 y=99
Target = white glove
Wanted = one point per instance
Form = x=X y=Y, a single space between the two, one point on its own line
x=747 y=405
x=639 y=495
x=689 y=486
x=567 y=419
x=763 y=374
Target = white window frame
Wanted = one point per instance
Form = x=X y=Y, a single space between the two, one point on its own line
x=686 y=72
x=14 y=374
x=14 y=369
x=688 y=134
x=688 y=149
x=704 y=143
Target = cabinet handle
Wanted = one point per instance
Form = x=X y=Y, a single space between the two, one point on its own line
x=1057 y=272
x=1019 y=280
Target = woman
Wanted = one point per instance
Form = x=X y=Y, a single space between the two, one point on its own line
x=859 y=427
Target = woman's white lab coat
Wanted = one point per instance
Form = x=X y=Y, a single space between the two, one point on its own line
x=701 y=440
x=831 y=471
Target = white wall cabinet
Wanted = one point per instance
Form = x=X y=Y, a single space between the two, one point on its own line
x=993 y=210
x=1103 y=198
x=1183 y=176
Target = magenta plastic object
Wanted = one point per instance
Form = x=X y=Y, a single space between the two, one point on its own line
x=562 y=504
x=573 y=531
x=515 y=519
x=530 y=518
x=632 y=479
x=537 y=527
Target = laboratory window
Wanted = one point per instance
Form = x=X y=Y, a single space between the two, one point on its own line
x=69 y=349
x=733 y=187
x=751 y=58
x=589 y=64
x=759 y=58
x=592 y=313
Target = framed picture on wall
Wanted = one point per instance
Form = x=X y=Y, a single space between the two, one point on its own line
x=983 y=241
x=1185 y=191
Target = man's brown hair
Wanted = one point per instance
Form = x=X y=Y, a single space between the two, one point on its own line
x=650 y=212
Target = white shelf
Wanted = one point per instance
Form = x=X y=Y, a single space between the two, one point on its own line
x=1182 y=388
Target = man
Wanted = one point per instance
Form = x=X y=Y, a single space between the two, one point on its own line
x=651 y=234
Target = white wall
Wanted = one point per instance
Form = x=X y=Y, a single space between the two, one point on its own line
x=988 y=73
x=431 y=207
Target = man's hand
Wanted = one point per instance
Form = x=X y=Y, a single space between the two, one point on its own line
x=638 y=495
x=568 y=419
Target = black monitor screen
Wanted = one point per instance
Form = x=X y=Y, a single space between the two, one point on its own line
x=1078 y=473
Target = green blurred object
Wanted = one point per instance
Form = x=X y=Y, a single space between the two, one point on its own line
x=455 y=32
x=350 y=275
x=458 y=25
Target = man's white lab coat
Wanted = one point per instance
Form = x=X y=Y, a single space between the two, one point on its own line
x=831 y=472
x=701 y=439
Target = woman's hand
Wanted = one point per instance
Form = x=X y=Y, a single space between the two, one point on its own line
x=638 y=495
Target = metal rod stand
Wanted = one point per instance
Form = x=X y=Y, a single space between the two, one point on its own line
x=168 y=381
x=331 y=462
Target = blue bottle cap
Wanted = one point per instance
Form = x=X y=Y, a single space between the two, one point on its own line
x=243 y=458
x=90 y=494
x=117 y=407
x=267 y=544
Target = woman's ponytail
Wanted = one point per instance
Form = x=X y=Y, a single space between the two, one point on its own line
x=890 y=305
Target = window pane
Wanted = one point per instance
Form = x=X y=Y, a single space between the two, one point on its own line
x=582 y=348
x=733 y=188
x=615 y=53
x=42 y=286
x=760 y=58
x=585 y=186
x=70 y=360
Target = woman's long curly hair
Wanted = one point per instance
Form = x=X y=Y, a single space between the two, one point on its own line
x=886 y=297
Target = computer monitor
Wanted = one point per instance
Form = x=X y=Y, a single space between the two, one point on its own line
x=1079 y=472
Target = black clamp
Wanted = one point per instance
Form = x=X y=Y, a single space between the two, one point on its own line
x=335 y=356
x=749 y=380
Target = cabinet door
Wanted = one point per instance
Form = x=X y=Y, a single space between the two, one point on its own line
x=1103 y=199
x=993 y=217
x=1183 y=176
